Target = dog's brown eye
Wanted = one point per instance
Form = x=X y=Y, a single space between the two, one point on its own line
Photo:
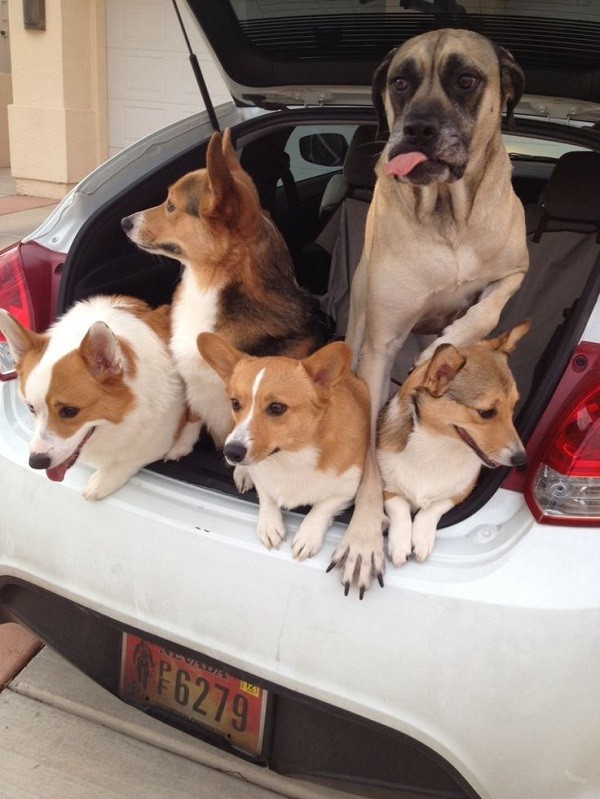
x=467 y=81
x=68 y=412
x=276 y=408
x=31 y=408
x=488 y=413
x=400 y=85
x=170 y=206
x=235 y=404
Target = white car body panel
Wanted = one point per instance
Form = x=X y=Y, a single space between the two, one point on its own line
x=485 y=628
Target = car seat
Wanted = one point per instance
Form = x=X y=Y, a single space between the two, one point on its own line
x=563 y=240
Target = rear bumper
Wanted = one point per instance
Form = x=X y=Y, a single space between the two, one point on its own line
x=488 y=654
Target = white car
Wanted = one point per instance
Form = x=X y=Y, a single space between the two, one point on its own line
x=474 y=674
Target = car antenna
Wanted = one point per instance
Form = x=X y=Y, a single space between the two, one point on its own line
x=210 y=109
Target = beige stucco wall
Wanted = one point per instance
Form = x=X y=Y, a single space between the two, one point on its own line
x=57 y=120
x=5 y=99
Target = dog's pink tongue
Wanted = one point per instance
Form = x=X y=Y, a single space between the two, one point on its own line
x=403 y=164
x=57 y=473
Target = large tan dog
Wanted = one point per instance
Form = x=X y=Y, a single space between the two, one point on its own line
x=445 y=236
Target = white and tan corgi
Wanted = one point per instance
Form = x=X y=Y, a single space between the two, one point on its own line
x=103 y=388
x=301 y=431
x=452 y=416
x=238 y=278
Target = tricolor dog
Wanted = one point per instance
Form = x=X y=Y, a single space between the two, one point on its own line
x=451 y=417
x=301 y=430
x=445 y=243
x=238 y=278
x=103 y=388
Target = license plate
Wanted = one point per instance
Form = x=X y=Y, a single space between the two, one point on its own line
x=208 y=696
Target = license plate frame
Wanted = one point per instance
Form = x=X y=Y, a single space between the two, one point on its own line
x=209 y=699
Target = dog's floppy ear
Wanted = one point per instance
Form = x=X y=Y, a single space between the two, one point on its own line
x=377 y=93
x=102 y=353
x=20 y=340
x=512 y=83
x=508 y=341
x=327 y=366
x=445 y=364
x=219 y=354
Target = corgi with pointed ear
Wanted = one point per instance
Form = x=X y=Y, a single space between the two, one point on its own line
x=102 y=388
x=300 y=429
x=238 y=279
x=451 y=417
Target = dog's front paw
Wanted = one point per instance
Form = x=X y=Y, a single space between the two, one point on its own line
x=423 y=538
x=308 y=540
x=241 y=478
x=101 y=484
x=270 y=528
x=399 y=543
x=360 y=554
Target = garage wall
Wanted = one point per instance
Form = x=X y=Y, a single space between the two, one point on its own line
x=150 y=81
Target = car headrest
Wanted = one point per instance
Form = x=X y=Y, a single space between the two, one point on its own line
x=362 y=155
x=573 y=191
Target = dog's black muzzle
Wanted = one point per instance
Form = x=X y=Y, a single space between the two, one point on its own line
x=421 y=133
x=235 y=452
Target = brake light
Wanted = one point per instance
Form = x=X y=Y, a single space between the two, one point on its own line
x=564 y=482
x=29 y=277
x=14 y=294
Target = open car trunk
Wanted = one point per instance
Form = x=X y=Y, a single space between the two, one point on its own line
x=562 y=210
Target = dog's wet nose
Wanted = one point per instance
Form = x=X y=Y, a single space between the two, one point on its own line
x=235 y=451
x=421 y=130
x=39 y=460
x=126 y=223
x=519 y=459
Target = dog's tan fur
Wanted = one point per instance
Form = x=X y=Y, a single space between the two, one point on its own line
x=238 y=280
x=445 y=244
x=311 y=451
x=452 y=416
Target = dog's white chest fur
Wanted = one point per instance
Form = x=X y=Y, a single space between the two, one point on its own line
x=430 y=468
x=292 y=479
x=195 y=312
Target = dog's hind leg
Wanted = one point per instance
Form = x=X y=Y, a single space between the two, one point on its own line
x=185 y=441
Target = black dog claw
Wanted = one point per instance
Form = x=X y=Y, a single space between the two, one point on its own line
x=380 y=578
x=362 y=592
x=346 y=588
x=330 y=567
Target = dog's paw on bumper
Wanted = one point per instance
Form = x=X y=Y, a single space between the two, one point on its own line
x=361 y=556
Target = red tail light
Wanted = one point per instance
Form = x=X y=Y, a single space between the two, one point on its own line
x=564 y=482
x=14 y=293
x=29 y=276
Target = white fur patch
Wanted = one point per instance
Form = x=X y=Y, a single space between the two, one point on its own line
x=195 y=312
x=292 y=479
x=147 y=431
x=430 y=468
